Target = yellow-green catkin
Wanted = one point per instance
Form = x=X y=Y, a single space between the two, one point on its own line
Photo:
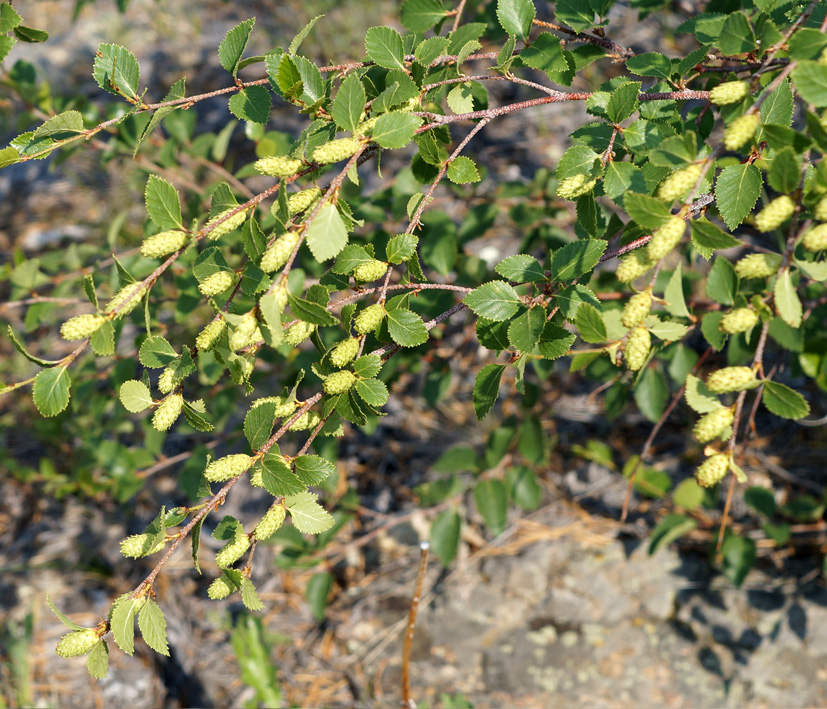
x=712 y=470
x=636 y=309
x=216 y=283
x=272 y=520
x=336 y=150
x=232 y=551
x=279 y=251
x=368 y=319
x=758 y=265
x=208 y=337
x=339 y=382
x=678 y=184
x=344 y=352
x=638 y=345
x=741 y=130
x=713 y=424
x=820 y=211
x=633 y=266
x=814 y=239
x=163 y=244
x=729 y=92
x=284 y=407
x=246 y=333
x=666 y=238
x=775 y=213
x=298 y=332
x=730 y=379
x=308 y=420
x=227 y=226
x=278 y=166
x=575 y=186
x=366 y=127
x=370 y=271
x=136 y=546
x=167 y=412
x=220 y=588
x=167 y=380
x=738 y=320
x=127 y=299
x=300 y=201
x=227 y=467
x=81 y=326
x=77 y=643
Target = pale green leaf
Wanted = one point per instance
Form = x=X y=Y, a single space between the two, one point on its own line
x=516 y=16
x=699 y=398
x=736 y=191
x=495 y=300
x=783 y=401
x=384 y=46
x=135 y=396
x=395 y=130
x=308 y=515
x=153 y=627
x=787 y=302
x=327 y=234
x=51 y=391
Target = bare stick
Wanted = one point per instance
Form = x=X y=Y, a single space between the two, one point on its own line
x=406 y=647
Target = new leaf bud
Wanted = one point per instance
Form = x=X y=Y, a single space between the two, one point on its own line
x=272 y=520
x=232 y=551
x=128 y=297
x=636 y=309
x=279 y=251
x=209 y=335
x=575 y=186
x=298 y=332
x=227 y=226
x=137 y=546
x=344 y=352
x=77 y=643
x=741 y=130
x=814 y=239
x=300 y=201
x=370 y=271
x=336 y=150
x=633 y=266
x=220 y=588
x=820 y=211
x=368 y=319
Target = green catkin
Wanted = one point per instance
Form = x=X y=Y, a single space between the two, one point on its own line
x=633 y=266
x=666 y=238
x=167 y=412
x=730 y=379
x=344 y=352
x=233 y=551
x=814 y=239
x=217 y=283
x=279 y=251
x=256 y=479
x=729 y=92
x=370 y=271
x=227 y=226
x=245 y=333
x=283 y=406
x=339 y=382
x=135 y=546
x=368 y=319
x=678 y=184
x=167 y=380
x=81 y=326
x=77 y=643
x=163 y=244
x=300 y=201
x=575 y=186
x=127 y=297
x=758 y=265
x=741 y=130
x=713 y=424
x=366 y=127
x=278 y=166
x=820 y=211
x=738 y=320
x=774 y=214
x=227 y=467
x=638 y=345
x=210 y=334
x=636 y=309
x=308 y=420
x=336 y=150
x=298 y=332
x=272 y=521
x=220 y=588
x=712 y=470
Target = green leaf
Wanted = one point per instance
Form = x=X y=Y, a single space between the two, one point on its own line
x=8 y=156
x=429 y=49
x=232 y=46
x=156 y=352
x=673 y=295
x=578 y=160
x=783 y=401
x=524 y=488
x=737 y=36
x=577 y=258
x=300 y=37
x=308 y=515
x=277 y=477
x=162 y=203
x=810 y=79
x=9 y=19
x=251 y=104
x=624 y=102
x=787 y=302
x=401 y=247
x=116 y=70
x=176 y=91
x=554 y=341
x=521 y=268
x=406 y=328
x=622 y=178
x=785 y=171
x=153 y=627
x=420 y=15
x=495 y=300
x=51 y=391
x=445 y=536
x=492 y=502
x=486 y=388
x=347 y=107
x=313 y=469
x=667 y=330
x=258 y=424
x=807 y=43
x=761 y=499
x=688 y=494
x=461 y=99
x=122 y=623
x=135 y=396
x=669 y=529
x=312 y=82
x=60 y=616
x=722 y=281
x=545 y=54
x=736 y=191
x=310 y=312
x=738 y=558
x=249 y=596
x=384 y=46
x=572 y=297
x=525 y=330
x=699 y=398
x=327 y=234
x=647 y=212
x=367 y=366
x=650 y=64
x=706 y=237
x=516 y=16
x=22 y=350
x=395 y=130
x=270 y=310
x=574 y=13
x=372 y=391
x=590 y=325
x=651 y=393
x=463 y=170
x=711 y=331
x=317 y=590
x=64 y=125
x=97 y=663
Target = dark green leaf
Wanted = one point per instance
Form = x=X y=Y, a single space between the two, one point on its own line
x=495 y=300
x=421 y=15
x=372 y=392
x=445 y=536
x=384 y=46
x=670 y=528
x=623 y=102
x=521 y=268
x=736 y=191
x=349 y=103
x=401 y=247
x=406 y=328
x=251 y=104
x=486 y=387
x=737 y=36
x=785 y=171
x=277 y=477
x=647 y=212
x=492 y=503
x=310 y=312
x=810 y=79
x=545 y=54
x=574 y=13
x=783 y=401
x=302 y=35
x=313 y=469
x=258 y=424
x=162 y=203
x=722 y=282
x=516 y=16
x=64 y=125
x=554 y=341
x=650 y=64
x=156 y=352
x=590 y=325
x=738 y=558
x=577 y=258
x=395 y=130
x=232 y=46
x=651 y=393
x=525 y=330
x=317 y=590
x=706 y=237
x=116 y=70
x=761 y=499
x=51 y=391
